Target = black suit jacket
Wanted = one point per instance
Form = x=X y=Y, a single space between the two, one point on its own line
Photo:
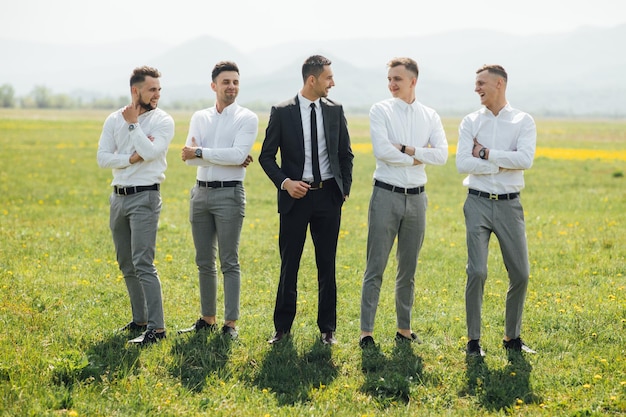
x=284 y=132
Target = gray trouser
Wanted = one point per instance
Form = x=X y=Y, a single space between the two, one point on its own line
x=134 y=221
x=392 y=215
x=216 y=216
x=504 y=218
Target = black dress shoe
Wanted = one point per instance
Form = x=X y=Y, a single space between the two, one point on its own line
x=148 y=337
x=517 y=345
x=278 y=336
x=199 y=325
x=328 y=338
x=367 y=341
x=230 y=332
x=133 y=327
x=402 y=338
x=474 y=349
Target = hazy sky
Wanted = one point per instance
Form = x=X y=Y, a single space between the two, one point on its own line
x=250 y=24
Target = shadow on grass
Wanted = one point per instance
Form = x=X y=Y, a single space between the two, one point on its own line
x=291 y=377
x=110 y=359
x=389 y=380
x=104 y=361
x=199 y=355
x=502 y=388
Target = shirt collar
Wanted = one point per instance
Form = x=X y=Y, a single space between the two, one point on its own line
x=506 y=109
x=403 y=105
x=305 y=103
x=227 y=110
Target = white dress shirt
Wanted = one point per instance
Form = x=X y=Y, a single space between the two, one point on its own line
x=324 y=161
x=117 y=144
x=226 y=139
x=511 y=138
x=394 y=121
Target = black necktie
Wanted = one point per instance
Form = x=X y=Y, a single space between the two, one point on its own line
x=317 y=177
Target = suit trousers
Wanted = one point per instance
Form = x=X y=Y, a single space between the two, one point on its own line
x=134 y=221
x=392 y=215
x=216 y=216
x=321 y=211
x=505 y=219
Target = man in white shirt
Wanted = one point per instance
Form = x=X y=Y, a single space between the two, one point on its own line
x=496 y=144
x=406 y=135
x=218 y=143
x=134 y=144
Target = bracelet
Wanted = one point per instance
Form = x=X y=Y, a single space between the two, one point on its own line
x=403 y=148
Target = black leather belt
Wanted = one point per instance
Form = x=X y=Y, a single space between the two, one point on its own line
x=416 y=190
x=218 y=184
x=494 y=196
x=135 y=190
x=318 y=185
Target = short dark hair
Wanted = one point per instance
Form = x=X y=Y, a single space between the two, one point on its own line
x=408 y=63
x=314 y=65
x=140 y=73
x=223 y=66
x=494 y=69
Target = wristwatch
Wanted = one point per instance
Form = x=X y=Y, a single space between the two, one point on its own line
x=482 y=153
x=198 y=153
x=133 y=126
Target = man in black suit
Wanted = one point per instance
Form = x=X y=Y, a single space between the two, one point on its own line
x=313 y=181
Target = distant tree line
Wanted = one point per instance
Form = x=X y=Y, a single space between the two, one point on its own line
x=42 y=97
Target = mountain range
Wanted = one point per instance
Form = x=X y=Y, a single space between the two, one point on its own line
x=574 y=74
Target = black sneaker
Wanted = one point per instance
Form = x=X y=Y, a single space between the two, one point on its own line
x=401 y=338
x=474 y=349
x=517 y=345
x=148 y=337
x=367 y=341
x=199 y=325
x=133 y=327
x=230 y=331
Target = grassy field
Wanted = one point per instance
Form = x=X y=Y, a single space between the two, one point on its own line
x=62 y=295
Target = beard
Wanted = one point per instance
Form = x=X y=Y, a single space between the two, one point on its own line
x=146 y=106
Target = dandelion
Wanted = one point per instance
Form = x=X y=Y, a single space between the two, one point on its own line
x=168 y=258
x=587 y=386
x=513 y=374
x=597 y=376
x=520 y=401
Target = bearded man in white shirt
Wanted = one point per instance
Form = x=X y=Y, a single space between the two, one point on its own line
x=134 y=144
x=496 y=144
x=406 y=136
x=218 y=144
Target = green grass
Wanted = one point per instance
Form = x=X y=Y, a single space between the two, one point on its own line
x=62 y=295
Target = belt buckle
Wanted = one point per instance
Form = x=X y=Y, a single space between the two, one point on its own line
x=493 y=196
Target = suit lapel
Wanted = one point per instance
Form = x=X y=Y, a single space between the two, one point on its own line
x=326 y=115
x=297 y=121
